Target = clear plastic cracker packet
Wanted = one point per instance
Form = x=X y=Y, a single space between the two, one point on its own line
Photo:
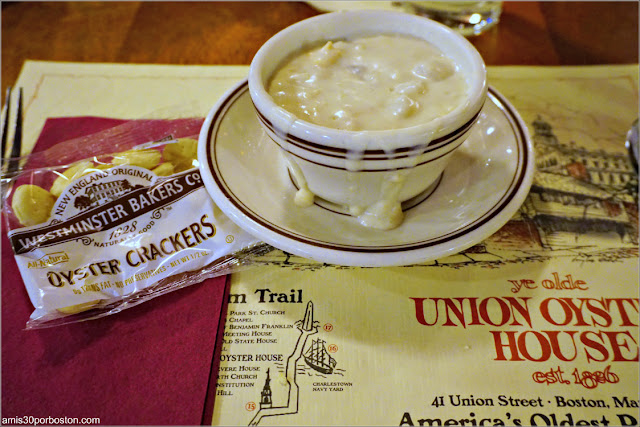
x=104 y=233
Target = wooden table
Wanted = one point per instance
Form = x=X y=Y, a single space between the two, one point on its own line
x=530 y=33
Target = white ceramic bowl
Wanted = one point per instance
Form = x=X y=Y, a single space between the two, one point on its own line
x=325 y=156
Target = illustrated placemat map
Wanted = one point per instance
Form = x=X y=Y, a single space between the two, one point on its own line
x=536 y=325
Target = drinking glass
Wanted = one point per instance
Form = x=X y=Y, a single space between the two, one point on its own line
x=467 y=17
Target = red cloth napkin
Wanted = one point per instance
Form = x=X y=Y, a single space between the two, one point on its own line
x=149 y=364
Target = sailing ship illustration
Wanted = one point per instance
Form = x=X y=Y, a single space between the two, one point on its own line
x=318 y=358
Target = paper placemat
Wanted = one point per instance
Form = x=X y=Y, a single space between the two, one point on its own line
x=537 y=325
x=54 y=89
x=582 y=112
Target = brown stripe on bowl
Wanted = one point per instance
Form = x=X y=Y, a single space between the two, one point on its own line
x=459 y=142
x=336 y=152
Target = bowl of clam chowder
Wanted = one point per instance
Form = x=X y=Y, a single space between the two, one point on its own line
x=368 y=107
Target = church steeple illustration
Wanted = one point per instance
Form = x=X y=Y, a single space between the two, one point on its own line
x=265 y=399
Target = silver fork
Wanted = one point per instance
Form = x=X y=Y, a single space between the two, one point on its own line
x=11 y=164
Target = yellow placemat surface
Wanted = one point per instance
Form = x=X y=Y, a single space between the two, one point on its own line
x=536 y=325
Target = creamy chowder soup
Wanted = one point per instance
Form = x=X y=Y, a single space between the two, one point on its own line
x=369 y=83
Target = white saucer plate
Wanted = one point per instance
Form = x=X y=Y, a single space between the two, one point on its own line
x=480 y=190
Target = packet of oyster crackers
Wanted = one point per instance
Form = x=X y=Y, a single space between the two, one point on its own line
x=105 y=233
